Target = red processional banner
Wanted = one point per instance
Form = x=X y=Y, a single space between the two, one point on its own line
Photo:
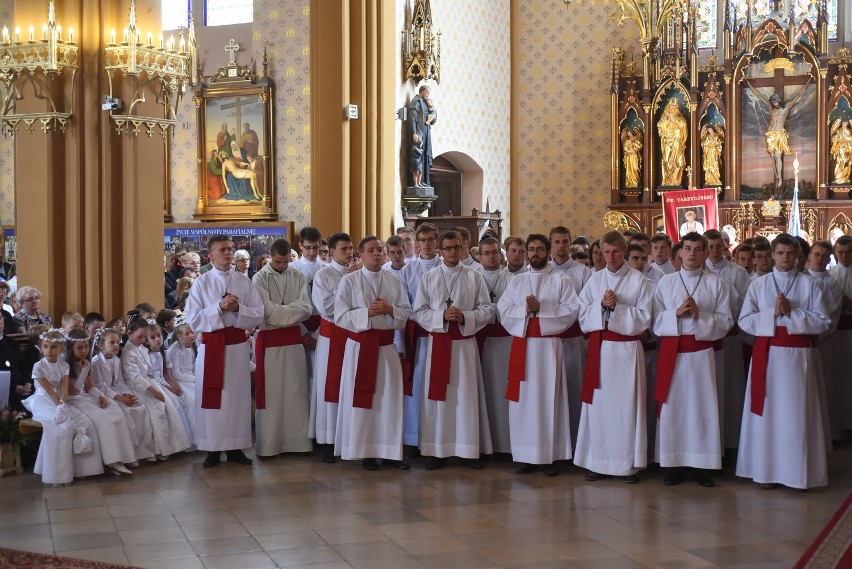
x=690 y=210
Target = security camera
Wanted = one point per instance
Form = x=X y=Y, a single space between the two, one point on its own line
x=110 y=104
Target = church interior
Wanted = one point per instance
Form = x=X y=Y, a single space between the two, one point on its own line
x=550 y=113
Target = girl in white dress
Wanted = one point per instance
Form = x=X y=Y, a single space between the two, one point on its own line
x=105 y=380
x=57 y=462
x=160 y=369
x=110 y=425
x=181 y=355
x=170 y=436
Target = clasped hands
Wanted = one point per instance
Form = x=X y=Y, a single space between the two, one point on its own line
x=230 y=302
x=782 y=305
x=380 y=306
x=688 y=308
x=454 y=314
x=609 y=300
x=533 y=305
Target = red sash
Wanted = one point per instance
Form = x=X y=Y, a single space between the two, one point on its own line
x=334 y=367
x=572 y=332
x=312 y=323
x=214 y=363
x=592 y=377
x=845 y=322
x=274 y=338
x=368 y=361
x=760 y=359
x=490 y=331
x=442 y=353
x=413 y=332
x=670 y=347
x=518 y=358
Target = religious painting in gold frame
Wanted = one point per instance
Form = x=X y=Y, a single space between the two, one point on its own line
x=236 y=171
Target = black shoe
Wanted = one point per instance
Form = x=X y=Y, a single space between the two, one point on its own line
x=594 y=476
x=524 y=468
x=632 y=479
x=238 y=456
x=213 y=459
x=674 y=477
x=328 y=454
x=550 y=470
x=770 y=486
x=703 y=478
x=370 y=464
x=436 y=463
x=415 y=452
x=398 y=464
x=473 y=464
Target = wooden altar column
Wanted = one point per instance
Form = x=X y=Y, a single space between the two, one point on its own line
x=353 y=61
x=87 y=213
x=695 y=139
x=731 y=191
x=823 y=144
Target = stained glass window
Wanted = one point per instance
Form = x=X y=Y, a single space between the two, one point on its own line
x=804 y=9
x=707 y=24
x=175 y=14
x=226 y=12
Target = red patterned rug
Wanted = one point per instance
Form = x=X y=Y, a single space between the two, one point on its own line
x=25 y=560
x=833 y=546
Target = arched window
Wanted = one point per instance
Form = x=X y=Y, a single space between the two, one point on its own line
x=805 y=9
x=227 y=12
x=175 y=14
x=707 y=23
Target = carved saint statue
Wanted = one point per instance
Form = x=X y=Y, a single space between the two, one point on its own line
x=841 y=151
x=777 y=141
x=631 y=145
x=673 y=133
x=712 y=140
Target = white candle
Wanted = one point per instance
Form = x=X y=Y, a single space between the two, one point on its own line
x=161 y=41
x=5 y=34
x=17 y=34
x=70 y=34
x=32 y=33
x=112 y=36
x=44 y=32
x=150 y=39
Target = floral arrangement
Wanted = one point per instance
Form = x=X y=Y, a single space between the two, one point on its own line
x=10 y=429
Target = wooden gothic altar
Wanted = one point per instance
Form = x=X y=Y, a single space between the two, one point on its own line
x=735 y=124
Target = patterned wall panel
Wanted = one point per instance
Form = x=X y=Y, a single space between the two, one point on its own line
x=562 y=113
x=7 y=144
x=474 y=97
x=285 y=24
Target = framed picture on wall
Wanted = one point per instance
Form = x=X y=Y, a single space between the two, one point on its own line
x=236 y=174
x=10 y=246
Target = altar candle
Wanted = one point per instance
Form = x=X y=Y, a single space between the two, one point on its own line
x=32 y=33
x=5 y=34
x=150 y=39
x=161 y=41
x=44 y=32
x=182 y=44
x=125 y=35
x=112 y=36
x=17 y=34
x=70 y=34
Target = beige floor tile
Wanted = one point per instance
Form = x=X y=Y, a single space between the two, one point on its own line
x=300 y=556
x=30 y=516
x=214 y=531
x=336 y=536
x=332 y=521
x=451 y=514
x=412 y=530
x=251 y=560
x=580 y=549
x=666 y=558
x=133 y=499
x=266 y=527
x=456 y=560
x=78 y=514
x=290 y=540
x=152 y=536
x=86 y=541
x=222 y=546
x=144 y=522
x=732 y=555
x=409 y=562
x=529 y=555
x=182 y=563
x=35 y=544
x=432 y=544
x=159 y=551
x=141 y=509
x=83 y=526
x=353 y=552
x=25 y=531
x=205 y=518
x=113 y=554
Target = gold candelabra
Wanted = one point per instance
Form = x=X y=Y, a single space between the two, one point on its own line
x=169 y=68
x=34 y=59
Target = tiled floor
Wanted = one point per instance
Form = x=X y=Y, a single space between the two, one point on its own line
x=296 y=511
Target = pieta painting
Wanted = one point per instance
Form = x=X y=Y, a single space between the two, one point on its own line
x=235 y=166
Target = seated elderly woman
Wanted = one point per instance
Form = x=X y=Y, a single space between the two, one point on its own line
x=29 y=315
